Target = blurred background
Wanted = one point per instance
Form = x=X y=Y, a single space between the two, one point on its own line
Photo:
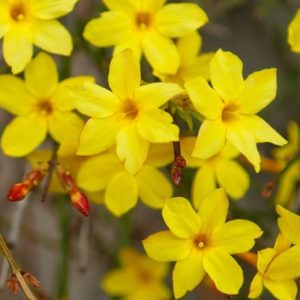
x=69 y=253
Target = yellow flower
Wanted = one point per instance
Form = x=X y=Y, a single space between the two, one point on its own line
x=121 y=190
x=201 y=242
x=294 y=33
x=128 y=116
x=27 y=22
x=41 y=105
x=278 y=268
x=146 y=26
x=230 y=108
x=191 y=64
x=289 y=224
x=138 y=278
x=220 y=168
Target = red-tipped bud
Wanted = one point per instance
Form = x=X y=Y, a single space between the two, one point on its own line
x=80 y=201
x=31 y=279
x=178 y=165
x=268 y=189
x=12 y=284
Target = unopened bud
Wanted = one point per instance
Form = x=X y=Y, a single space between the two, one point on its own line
x=12 y=284
x=178 y=165
x=268 y=189
x=80 y=201
x=31 y=279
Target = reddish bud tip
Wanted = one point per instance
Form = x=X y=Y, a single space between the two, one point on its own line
x=178 y=165
x=268 y=189
x=18 y=191
x=12 y=284
x=31 y=279
x=80 y=201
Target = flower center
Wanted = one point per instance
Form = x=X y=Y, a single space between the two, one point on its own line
x=130 y=109
x=18 y=11
x=143 y=20
x=230 y=113
x=200 y=241
x=145 y=276
x=45 y=108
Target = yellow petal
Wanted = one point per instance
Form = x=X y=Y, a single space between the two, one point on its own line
x=281 y=243
x=156 y=126
x=286 y=290
x=164 y=246
x=14 y=96
x=259 y=91
x=210 y=139
x=41 y=76
x=188 y=47
x=17 y=50
x=22 y=135
x=154 y=95
x=246 y=144
x=226 y=75
x=285 y=266
x=293 y=32
x=288 y=223
x=188 y=273
x=262 y=131
x=160 y=155
x=161 y=53
x=223 y=270
x=233 y=178
x=64 y=125
x=133 y=42
x=131 y=148
x=53 y=37
x=48 y=9
x=187 y=145
x=124 y=5
x=213 y=210
x=98 y=135
x=63 y=98
x=150 y=5
x=236 y=236
x=109 y=29
x=264 y=258
x=95 y=101
x=96 y=172
x=256 y=287
x=204 y=182
x=176 y=20
x=204 y=98
x=181 y=218
x=154 y=187
x=121 y=193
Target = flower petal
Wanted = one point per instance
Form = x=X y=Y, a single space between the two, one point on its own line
x=187 y=145
x=53 y=37
x=289 y=224
x=204 y=98
x=261 y=130
x=41 y=76
x=233 y=178
x=210 y=139
x=124 y=5
x=17 y=50
x=246 y=144
x=181 y=218
x=176 y=20
x=14 y=96
x=48 y=9
x=154 y=95
x=124 y=74
x=156 y=126
x=213 y=210
x=154 y=187
x=188 y=273
x=131 y=148
x=161 y=53
x=22 y=135
x=294 y=33
x=164 y=246
x=133 y=42
x=121 y=193
x=259 y=91
x=204 y=182
x=223 y=270
x=264 y=258
x=64 y=125
x=236 y=236
x=98 y=135
x=110 y=28
x=256 y=286
x=286 y=290
x=226 y=75
x=160 y=155
x=96 y=172
x=94 y=101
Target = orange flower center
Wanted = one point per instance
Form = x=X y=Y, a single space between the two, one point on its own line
x=200 y=241
x=130 y=109
x=45 y=107
x=230 y=113
x=143 y=20
x=18 y=11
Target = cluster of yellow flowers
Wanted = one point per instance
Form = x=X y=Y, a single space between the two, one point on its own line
x=116 y=141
